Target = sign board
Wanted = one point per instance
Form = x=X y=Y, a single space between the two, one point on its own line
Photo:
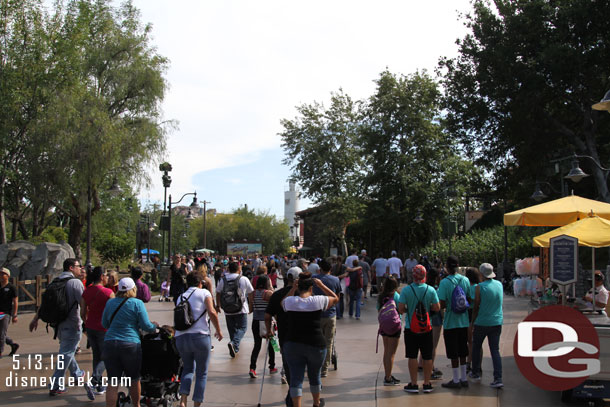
x=244 y=249
x=563 y=259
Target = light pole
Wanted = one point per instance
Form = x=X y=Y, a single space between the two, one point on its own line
x=193 y=205
x=167 y=181
x=205 y=243
x=88 y=260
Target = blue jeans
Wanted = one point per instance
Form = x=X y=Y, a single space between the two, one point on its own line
x=69 y=338
x=237 y=325
x=493 y=338
x=300 y=356
x=354 y=295
x=195 y=353
x=96 y=340
x=340 y=306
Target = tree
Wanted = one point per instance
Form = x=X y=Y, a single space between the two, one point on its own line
x=520 y=92
x=322 y=150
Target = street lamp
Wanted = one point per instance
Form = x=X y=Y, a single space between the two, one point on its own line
x=193 y=205
x=167 y=181
x=205 y=246
x=88 y=260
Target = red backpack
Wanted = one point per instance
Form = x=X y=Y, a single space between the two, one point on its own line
x=420 y=319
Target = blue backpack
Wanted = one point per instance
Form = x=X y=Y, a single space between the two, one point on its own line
x=459 y=301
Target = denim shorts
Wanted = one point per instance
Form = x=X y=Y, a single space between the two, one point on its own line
x=123 y=358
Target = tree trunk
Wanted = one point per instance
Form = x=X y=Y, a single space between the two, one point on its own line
x=74 y=238
x=2 y=218
x=22 y=229
x=13 y=230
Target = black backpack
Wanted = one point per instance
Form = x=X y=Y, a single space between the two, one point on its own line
x=54 y=307
x=231 y=300
x=183 y=314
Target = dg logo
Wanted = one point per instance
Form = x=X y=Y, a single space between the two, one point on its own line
x=557 y=348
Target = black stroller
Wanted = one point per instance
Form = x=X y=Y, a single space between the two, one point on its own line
x=161 y=366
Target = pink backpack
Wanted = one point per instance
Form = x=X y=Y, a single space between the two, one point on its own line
x=389 y=320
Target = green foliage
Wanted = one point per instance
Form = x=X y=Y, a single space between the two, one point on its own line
x=487 y=245
x=114 y=248
x=51 y=234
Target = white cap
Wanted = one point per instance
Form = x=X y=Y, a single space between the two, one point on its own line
x=487 y=270
x=126 y=284
x=363 y=251
x=294 y=272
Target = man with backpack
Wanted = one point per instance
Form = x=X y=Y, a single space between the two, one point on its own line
x=452 y=295
x=60 y=308
x=231 y=296
x=417 y=300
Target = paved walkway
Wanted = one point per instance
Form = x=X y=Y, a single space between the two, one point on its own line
x=358 y=381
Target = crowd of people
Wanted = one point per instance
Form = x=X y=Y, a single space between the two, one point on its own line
x=303 y=314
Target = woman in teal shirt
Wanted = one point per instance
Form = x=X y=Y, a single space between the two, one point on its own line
x=123 y=317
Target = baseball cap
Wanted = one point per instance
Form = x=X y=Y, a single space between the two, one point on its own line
x=5 y=271
x=452 y=261
x=362 y=251
x=419 y=273
x=393 y=253
x=126 y=284
x=294 y=272
x=487 y=270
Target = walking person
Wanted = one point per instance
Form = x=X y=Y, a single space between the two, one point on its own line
x=474 y=277
x=69 y=331
x=124 y=317
x=178 y=273
x=355 y=288
x=259 y=299
x=487 y=323
x=231 y=296
x=328 y=320
x=92 y=306
x=195 y=344
x=390 y=340
x=380 y=268
x=419 y=339
x=305 y=347
x=143 y=290
x=339 y=270
x=451 y=293
x=9 y=304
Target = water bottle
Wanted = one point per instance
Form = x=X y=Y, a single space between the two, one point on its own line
x=274 y=344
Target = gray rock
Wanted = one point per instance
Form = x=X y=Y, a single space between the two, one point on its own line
x=27 y=261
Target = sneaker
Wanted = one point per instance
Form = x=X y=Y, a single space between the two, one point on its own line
x=436 y=375
x=437 y=372
x=468 y=368
x=77 y=350
x=395 y=379
x=497 y=384
x=358 y=318
x=212 y=348
x=273 y=370
x=231 y=349
x=411 y=388
x=283 y=379
x=452 y=385
x=428 y=388
x=324 y=373
x=390 y=382
x=464 y=383
x=99 y=390
x=253 y=373
x=56 y=392
x=88 y=390
x=14 y=348
x=474 y=377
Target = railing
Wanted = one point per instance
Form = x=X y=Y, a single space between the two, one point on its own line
x=33 y=296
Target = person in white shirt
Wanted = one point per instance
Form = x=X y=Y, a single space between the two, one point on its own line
x=409 y=264
x=395 y=265
x=349 y=261
x=601 y=293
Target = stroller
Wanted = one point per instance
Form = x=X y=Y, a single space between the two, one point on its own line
x=161 y=367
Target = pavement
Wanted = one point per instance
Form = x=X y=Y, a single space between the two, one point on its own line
x=357 y=382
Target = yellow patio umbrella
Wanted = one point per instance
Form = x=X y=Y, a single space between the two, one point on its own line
x=591 y=231
x=558 y=212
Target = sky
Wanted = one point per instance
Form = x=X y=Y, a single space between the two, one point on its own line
x=237 y=68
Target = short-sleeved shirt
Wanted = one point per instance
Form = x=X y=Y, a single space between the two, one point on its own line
x=411 y=294
x=490 y=308
x=128 y=320
x=143 y=291
x=445 y=290
x=410 y=263
x=395 y=264
x=380 y=265
x=196 y=298
x=334 y=285
x=313 y=268
x=304 y=319
x=244 y=285
x=601 y=294
x=96 y=297
x=7 y=293
x=365 y=271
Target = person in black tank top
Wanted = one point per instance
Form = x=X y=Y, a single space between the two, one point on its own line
x=305 y=345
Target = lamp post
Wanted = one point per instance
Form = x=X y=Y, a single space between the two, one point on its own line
x=88 y=260
x=145 y=220
x=193 y=205
x=167 y=181
x=205 y=242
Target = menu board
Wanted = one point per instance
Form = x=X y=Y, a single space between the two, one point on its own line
x=564 y=259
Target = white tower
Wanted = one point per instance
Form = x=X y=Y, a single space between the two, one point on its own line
x=291 y=203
